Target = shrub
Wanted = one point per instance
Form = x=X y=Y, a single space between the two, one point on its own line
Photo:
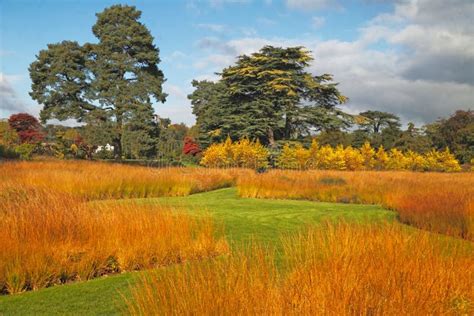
x=191 y=147
x=27 y=127
x=25 y=150
x=295 y=156
x=381 y=159
x=368 y=155
x=243 y=153
x=353 y=159
x=8 y=153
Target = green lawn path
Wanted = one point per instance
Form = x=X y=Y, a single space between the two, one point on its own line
x=244 y=220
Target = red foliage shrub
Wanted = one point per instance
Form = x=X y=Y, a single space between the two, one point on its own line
x=191 y=147
x=27 y=127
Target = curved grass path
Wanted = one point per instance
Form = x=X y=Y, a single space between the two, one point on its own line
x=243 y=219
x=266 y=220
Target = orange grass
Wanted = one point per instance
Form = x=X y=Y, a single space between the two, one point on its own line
x=336 y=270
x=95 y=180
x=50 y=235
x=442 y=203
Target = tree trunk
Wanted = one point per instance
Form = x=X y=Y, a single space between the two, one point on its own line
x=287 y=127
x=117 y=141
x=271 y=137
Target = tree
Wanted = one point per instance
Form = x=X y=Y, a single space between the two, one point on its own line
x=271 y=96
x=169 y=144
x=27 y=127
x=456 y=133
x=112 y=80
x=414 y=140
x=190 y=146
x=8 y=136
x=375 y=121
x=274 y=84
x=209 y=103
x=334 y=138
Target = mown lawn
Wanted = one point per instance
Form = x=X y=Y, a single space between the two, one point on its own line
x=244 y=220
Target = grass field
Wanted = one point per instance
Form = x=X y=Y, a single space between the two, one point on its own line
x=244 y=220
x=220 y=242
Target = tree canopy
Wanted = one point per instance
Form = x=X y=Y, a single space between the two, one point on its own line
x=455 y=132
x=375 y=121
x=269 y=95
x=115 y=80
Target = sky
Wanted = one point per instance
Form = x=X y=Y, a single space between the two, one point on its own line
x=414 y=58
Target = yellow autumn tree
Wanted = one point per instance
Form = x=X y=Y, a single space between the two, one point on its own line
x=286 y=159
x=368 y=154
x=396 y=160
x=251 y=154
x=415 y=161
x=353 y=158
x=381 y=158
x=243 y=153
x=313 y=160
x=447 y=161
x=214 y=156
x=337 y=159
x=302 y=156
x=324 y=157
x=294 y=157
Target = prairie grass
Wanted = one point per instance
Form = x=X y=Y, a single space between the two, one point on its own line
x=95 y=180
x=50 y=234
x=336 y=270
x=438 y=202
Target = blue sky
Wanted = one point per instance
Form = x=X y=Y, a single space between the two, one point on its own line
x=385 y=54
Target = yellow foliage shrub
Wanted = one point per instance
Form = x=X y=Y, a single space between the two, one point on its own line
x=368 y=154
x=415 y=161
x=354 y=159
x=442 y=161
x=337 y=159
x=244 y=153
x=396 y=160
x=296 y=157
x=381 y=158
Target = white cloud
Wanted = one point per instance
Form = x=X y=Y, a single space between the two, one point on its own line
x=176 y=58
x=248 y=31
x=214 y=61
x=174 y=91
x=310 y=4
x=177 y=104
x=318 y=21
x=423 y=70
x=9 y=101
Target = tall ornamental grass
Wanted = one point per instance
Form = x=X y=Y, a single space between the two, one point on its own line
x=438 y=202
x=336 y=270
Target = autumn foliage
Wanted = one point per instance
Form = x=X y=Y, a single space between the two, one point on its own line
x=50 y=234
x=98 y=181
x=441 y=203
x=254 y=155
x=243 y=153
x=190 y=147
x=365 y=158
x=27 y=127
x=333 y=270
